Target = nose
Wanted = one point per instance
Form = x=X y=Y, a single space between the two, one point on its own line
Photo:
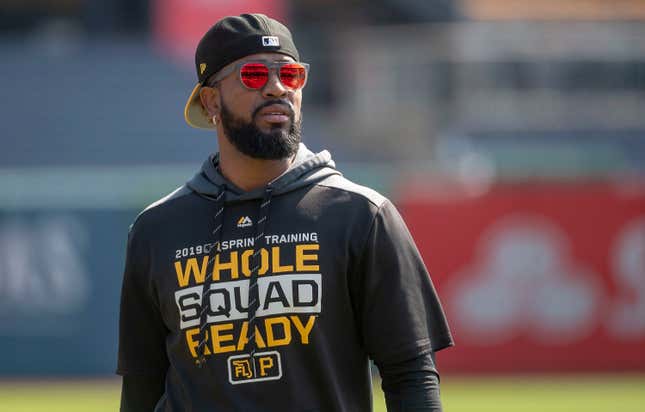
x=273 y=87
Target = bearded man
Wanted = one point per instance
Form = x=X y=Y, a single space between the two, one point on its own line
x=268 y=281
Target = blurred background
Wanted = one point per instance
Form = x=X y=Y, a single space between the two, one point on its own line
x=510 y=134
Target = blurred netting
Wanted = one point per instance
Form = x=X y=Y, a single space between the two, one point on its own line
x=556 y=99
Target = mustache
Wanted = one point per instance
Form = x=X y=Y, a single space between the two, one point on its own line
x=282 y=102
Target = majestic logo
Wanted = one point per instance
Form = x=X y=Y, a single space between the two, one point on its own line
x=270 y=41
x=244 y=221
x=202 y=68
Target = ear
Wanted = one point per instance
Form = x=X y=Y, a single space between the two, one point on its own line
x=209 y=96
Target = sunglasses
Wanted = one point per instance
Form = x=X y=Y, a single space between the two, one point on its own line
x=255 y=74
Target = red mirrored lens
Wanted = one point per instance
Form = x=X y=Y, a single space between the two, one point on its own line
x=254 y=75
x=293 y=75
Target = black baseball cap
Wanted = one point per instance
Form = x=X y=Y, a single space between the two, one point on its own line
x=230 y=39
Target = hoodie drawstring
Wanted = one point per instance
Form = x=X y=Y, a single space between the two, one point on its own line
x=258 y=243
x=215 y=249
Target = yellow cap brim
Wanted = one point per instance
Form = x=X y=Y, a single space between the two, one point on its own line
x=194 y=112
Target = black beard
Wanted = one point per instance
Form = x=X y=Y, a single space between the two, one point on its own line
x=277 y=144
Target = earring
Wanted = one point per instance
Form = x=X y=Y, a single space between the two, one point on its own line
x=215 y=119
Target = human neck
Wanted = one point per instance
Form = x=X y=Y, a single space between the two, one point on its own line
x=246 y=172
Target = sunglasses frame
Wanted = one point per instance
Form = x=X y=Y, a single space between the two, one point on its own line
x=272 y=66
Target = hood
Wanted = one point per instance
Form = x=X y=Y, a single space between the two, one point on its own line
x=307 y=168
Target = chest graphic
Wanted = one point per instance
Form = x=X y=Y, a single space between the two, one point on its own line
x=290 y=288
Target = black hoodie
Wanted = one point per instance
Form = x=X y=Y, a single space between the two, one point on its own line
x=337 y=280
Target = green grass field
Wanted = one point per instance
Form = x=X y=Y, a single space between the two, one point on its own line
x=625 y=393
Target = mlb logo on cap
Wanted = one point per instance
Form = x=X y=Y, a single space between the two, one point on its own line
x=270 y=41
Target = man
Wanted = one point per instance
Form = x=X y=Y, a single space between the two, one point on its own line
x=267 y=281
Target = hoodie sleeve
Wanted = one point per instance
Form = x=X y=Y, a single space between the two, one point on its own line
x=399 y=311
x=142 y=332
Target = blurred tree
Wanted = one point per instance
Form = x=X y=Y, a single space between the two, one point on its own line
x=117 y=16
x=21 y=15
x=365 y=12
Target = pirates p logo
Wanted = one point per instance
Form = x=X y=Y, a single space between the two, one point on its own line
x=202 y=68
x=264 y=366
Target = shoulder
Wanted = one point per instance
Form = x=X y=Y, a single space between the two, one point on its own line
x=167 y=200
x=161 y=208
x=365 y=205
x=357 y=193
